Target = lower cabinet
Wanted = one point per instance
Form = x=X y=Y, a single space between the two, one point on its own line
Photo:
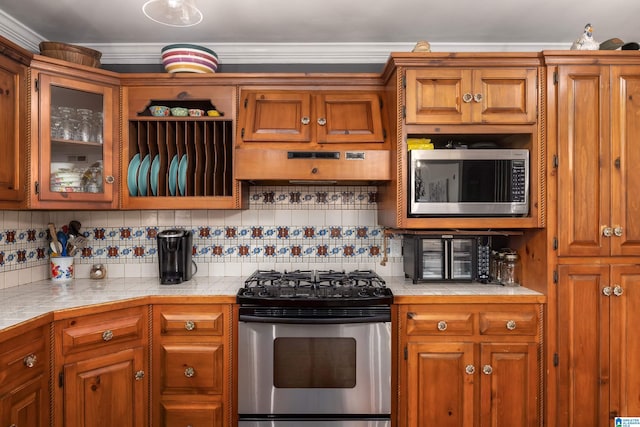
x=24 y=378
x=598 y=343
x=106 y=390
x=101 y=369
x=470 y=365
x=191 y=365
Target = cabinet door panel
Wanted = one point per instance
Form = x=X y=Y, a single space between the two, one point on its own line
x=440 y=392
x=625 y=158
x=12 y=111
x=508 y=96
x=583 y=346
x=277 y=117
x=625 y=341
x=583 y=151
x=509 y=385
x=103 y=391
x=350 y=118
x=179 y=414
x=435 y=96
x=194 y=367
x=27 y=405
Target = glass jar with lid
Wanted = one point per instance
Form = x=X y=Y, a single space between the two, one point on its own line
x=509 y=274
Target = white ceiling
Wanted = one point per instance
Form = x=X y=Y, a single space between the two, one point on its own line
x=327 y=31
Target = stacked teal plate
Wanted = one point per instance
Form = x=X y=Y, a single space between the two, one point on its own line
x=182 y=175
x=173 y=175
x=132 y=175
x=143 y=176
x=153 y=175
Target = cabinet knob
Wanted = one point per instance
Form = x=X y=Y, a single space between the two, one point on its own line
x=487 y=370
x=322 y=121
x=606 y=291
x=189 y=325
x=477 y=97
x=189 y=372
x=470 y=369
x=305 y=120
x=617 y=290
x=109 y=179
x=617 y=231
x=511 y=325
x=107 y=335
x=467 y=97
x=607 y=231
x=442 y=325
x=411 y=315
x=139 y=375
x=30 y=360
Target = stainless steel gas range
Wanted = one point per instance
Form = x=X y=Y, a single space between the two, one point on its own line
x=314 y=349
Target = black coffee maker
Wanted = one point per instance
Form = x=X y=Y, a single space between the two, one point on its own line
x=174 y=255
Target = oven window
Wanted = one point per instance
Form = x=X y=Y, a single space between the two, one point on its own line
x=314 y=363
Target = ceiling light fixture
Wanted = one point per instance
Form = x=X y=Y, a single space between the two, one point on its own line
x=175 y=13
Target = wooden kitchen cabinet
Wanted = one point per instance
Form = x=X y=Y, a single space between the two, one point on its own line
x=102 y=369
x=487 y=99
x=74 y=136
x=24 y=377
x=184 y=160
x=469 y=365
x=449 y=95
x=13 y=123
x=597 y=109
x=310 y=117
x=334 y=134
x=191 y=365
x=597 y=356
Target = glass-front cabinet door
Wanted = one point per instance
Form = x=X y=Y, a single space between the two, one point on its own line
x=77 y=140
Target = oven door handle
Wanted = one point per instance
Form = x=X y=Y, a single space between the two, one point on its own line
x=381 y=318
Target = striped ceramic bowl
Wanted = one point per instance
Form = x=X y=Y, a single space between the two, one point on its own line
x=189 y=58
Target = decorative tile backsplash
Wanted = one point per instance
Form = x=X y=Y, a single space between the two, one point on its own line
x=285 y=227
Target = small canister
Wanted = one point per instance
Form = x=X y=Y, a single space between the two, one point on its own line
x=509 y=274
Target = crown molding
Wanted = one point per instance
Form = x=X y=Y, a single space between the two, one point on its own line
x=267 y=53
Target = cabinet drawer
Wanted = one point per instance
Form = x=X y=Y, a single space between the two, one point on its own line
x=509 y=323
x=191 y=321
x=196 y=367
x=179 y=414
x=439 y=323
x=102 y=330
x=23 y=357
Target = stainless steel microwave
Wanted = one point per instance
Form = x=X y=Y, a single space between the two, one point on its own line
x=469 y=182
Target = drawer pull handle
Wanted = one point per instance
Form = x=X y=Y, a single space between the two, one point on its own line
x=107 y=335
x=511 y=325
x=189 y=325
x=189 y=372
x=442 y=325
x=139 y=375
x=30 y=360
x=487 y=370
x=470 y=369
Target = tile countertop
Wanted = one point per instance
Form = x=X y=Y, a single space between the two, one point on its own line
x=24 y=302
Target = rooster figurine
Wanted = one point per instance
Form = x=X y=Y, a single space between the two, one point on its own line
x=586 y=41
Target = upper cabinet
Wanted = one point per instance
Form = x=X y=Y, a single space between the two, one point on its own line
x=337 y=133
x=464 y=96
x=13 y=124
x=462 y=101
x=186 y=157
x=326 y=117
x=74 y=136
x=597 y=128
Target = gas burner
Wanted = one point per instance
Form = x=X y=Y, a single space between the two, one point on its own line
x=315 y=287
